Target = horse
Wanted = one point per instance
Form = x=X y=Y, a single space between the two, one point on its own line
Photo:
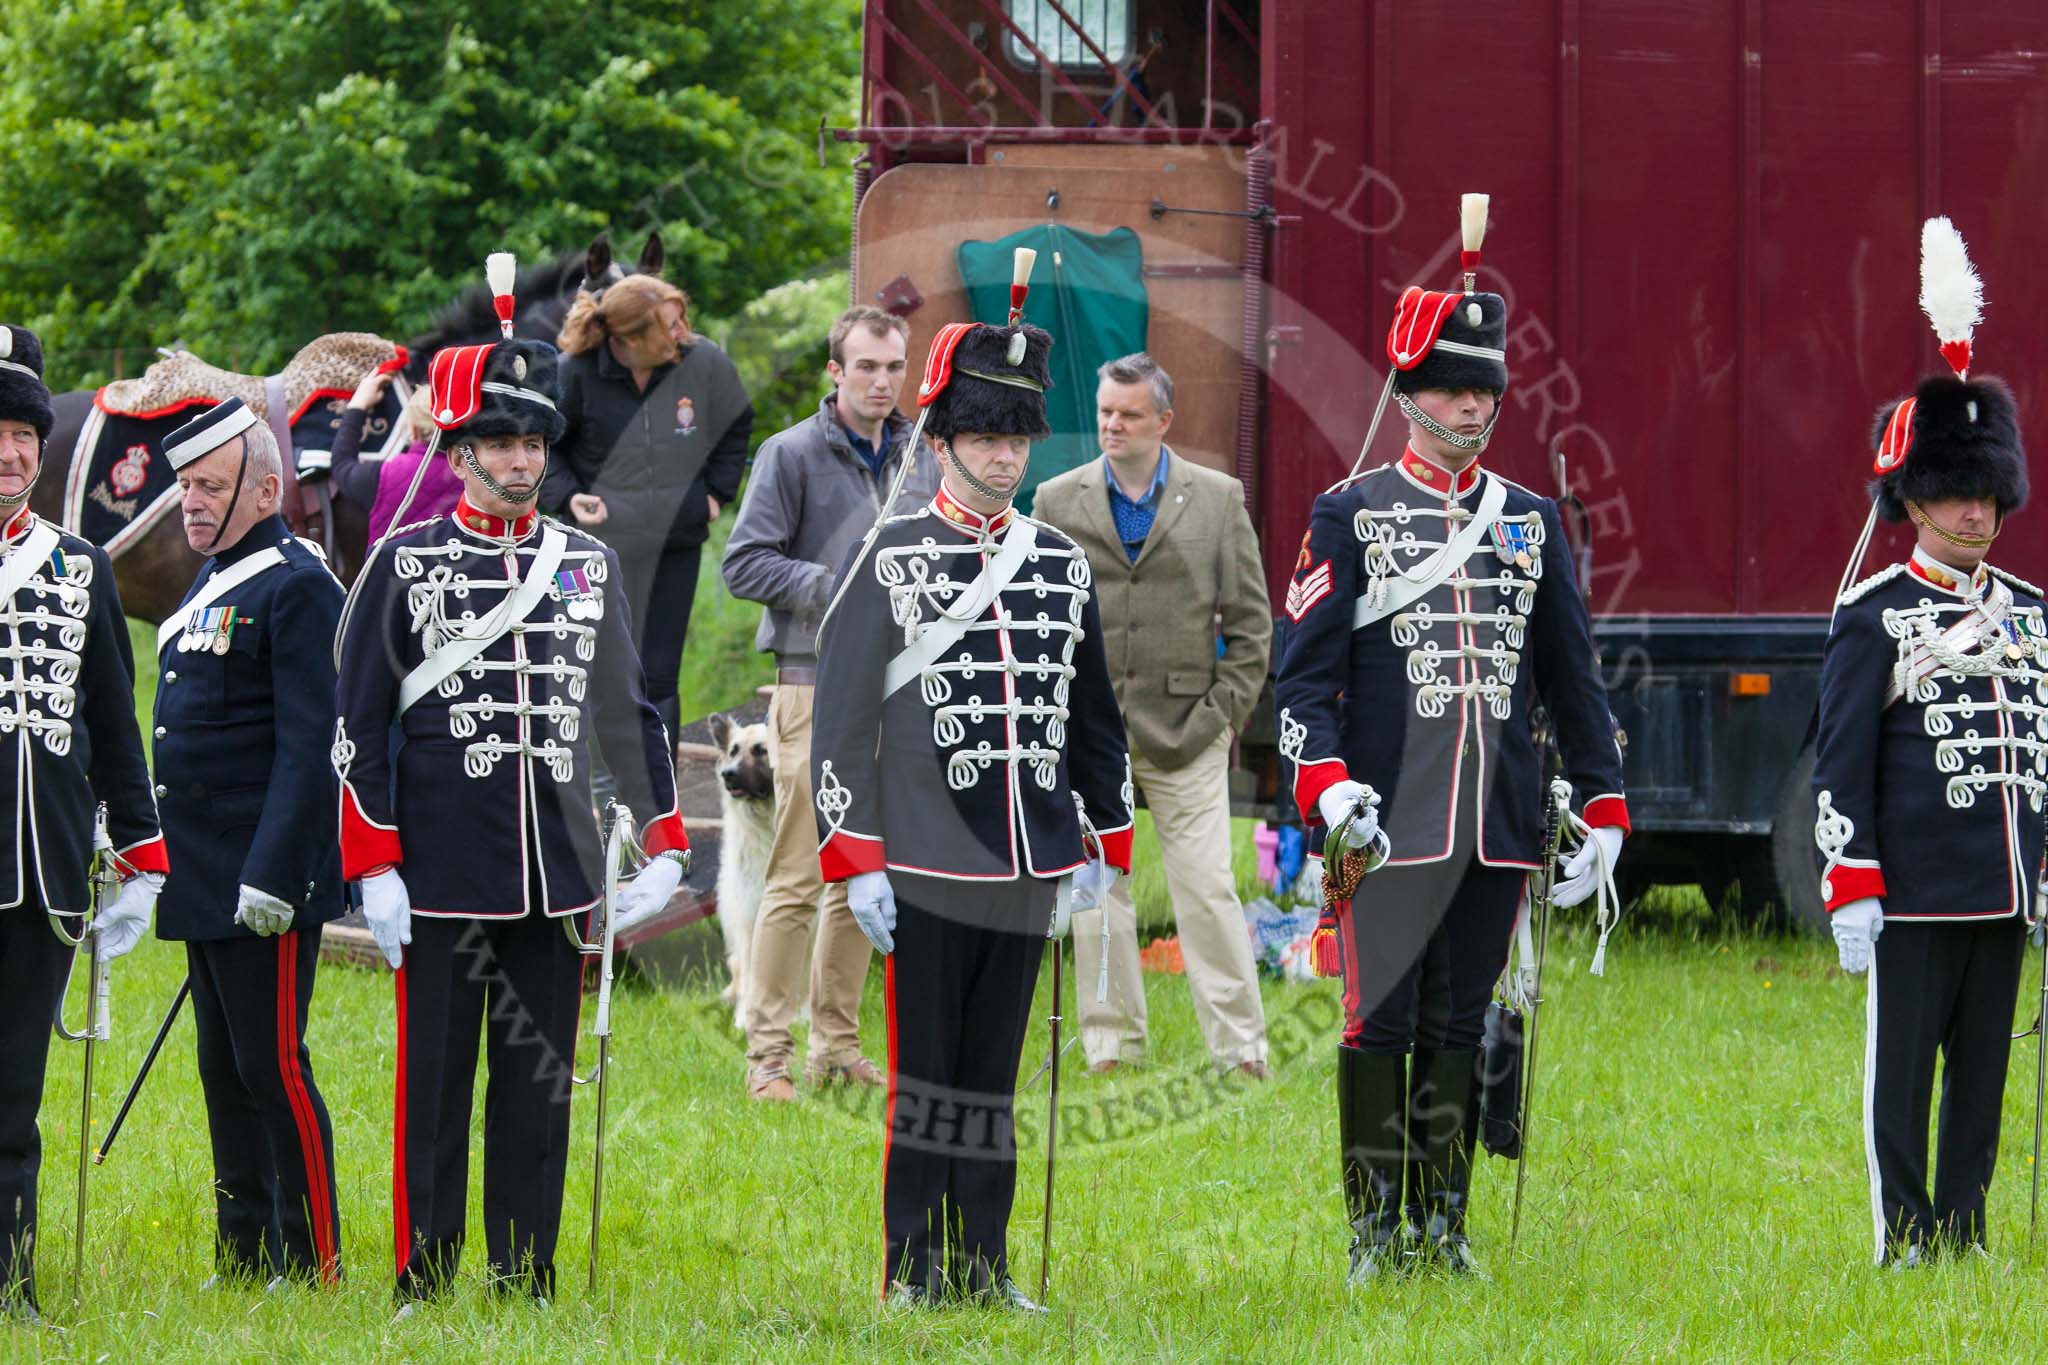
x=124 y=501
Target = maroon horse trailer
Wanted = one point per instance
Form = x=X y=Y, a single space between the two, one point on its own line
x=1705 y=218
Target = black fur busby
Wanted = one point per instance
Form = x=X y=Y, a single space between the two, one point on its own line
x=1965 y=444
x=1477 y=321
x=521 y=393
x=987 y=391
x=23 y=395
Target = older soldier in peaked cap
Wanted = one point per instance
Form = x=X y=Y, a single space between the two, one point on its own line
x=244 y=717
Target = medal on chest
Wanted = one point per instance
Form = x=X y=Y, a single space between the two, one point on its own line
x=211 y=631
x=579 y=598
x=1511 y=543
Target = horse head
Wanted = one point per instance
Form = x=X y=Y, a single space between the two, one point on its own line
x=544 y=291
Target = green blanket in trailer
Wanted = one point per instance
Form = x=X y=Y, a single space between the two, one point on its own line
x=1088 y=290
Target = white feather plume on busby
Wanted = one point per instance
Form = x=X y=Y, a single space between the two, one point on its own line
x=1955 y=437
x=24 y=397
x=987 y=391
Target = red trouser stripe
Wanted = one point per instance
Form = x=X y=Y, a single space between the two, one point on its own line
x=889 y=1111
x=312 y=1151
x=401 y=1214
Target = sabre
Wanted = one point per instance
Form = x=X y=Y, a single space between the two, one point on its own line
x=2040 y=1061
x=1052 y=1125
x=105 y=879
x=1539 y=906
x=619 y=831
x=142 y=1074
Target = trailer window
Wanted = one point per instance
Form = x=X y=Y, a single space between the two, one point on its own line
x=1106 y=22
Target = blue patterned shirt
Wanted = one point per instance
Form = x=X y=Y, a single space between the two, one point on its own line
x=1134 y=518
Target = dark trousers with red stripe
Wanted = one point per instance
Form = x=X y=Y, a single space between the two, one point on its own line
x=959 y=1001
x=273 y=1145
x=517 y=983
x=32 y=963
x=1423 y=947
x=1941 y=990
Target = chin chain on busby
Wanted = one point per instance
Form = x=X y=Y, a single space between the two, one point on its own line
x=98 y=1027
x=1453 y=325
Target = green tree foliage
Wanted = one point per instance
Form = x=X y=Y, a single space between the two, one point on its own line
x=246 y=174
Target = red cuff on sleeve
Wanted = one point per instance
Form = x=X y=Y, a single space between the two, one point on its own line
x=1844 y=883
x=366 y=846
x=1116 y=849
x=845 y=855
x=1311 y=780
x=148 y=856
x=1607 y=810
x=664 y=834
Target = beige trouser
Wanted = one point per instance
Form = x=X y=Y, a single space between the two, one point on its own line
x=782 y=933
x=1191 y=808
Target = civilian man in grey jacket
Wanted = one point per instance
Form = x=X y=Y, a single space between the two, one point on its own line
x=815 y=490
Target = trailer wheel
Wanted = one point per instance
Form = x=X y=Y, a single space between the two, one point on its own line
x=1789 y=877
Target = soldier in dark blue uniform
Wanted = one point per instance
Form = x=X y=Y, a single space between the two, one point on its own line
x=498 y=644
x=972 y=759
x=244 y=717
x=1431 y=609
x=67 y=743
x=1930 y=771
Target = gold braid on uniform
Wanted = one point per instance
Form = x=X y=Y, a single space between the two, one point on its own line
x=1960 y=541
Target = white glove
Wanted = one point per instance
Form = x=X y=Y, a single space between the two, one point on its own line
x=647 y=894
x=122 y=924
x=1601 y=848
x=1339 y=799
x=387 y=905
x=1092 y=883
x=262 y=912
x=1856 y=927
x=873 y=902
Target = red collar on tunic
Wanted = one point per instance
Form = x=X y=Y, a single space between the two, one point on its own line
x=18 y=525
x=968 y=521
x=498 y=528
x=1437 y=479
x=1933 y=572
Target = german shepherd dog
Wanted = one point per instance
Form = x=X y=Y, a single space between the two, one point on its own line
x=746 y=808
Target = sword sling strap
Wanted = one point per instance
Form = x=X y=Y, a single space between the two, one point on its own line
x=1922 y=665
x=1401 y=592
x=452 y=657
x=32 y=553
x=947 y=631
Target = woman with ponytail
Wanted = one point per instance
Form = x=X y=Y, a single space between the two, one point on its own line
x=658 y=429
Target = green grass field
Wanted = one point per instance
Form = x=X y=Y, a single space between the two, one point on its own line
x=1697 y=1187
x=1697 y=1192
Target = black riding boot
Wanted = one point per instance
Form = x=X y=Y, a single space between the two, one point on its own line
x=1442 y=1113
x=1372 y=1095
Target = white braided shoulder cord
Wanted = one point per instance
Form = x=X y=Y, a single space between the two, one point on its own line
x=1520 y=984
